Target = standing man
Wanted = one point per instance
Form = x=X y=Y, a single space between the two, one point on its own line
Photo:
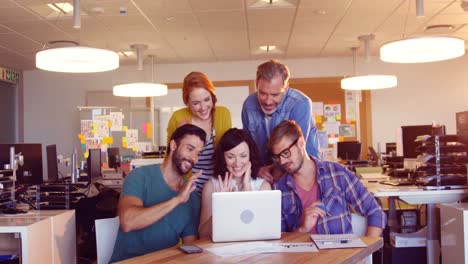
x=274 y=102
x=317 y=195
x=157 y=206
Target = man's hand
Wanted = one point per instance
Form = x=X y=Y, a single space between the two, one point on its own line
x=311 y=215
x=265 y=173
x=188 y=188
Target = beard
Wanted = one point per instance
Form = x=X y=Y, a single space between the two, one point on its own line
x=293 y=170
x=178 y=160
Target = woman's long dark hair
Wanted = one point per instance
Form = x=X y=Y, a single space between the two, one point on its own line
x=231 y=139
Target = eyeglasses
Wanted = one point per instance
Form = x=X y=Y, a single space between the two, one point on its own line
x=285 y=153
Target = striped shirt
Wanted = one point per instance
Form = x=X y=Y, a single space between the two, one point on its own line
x=339 y=188
x=206 y=163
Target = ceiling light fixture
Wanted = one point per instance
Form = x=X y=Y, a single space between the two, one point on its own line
x=271 y=4
x=367 y=82
x=422 y=49
x=268 y=48
x=76 y=59
x=63 y=8
x=141 y=89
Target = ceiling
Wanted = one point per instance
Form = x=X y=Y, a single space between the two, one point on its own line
x=187 y=31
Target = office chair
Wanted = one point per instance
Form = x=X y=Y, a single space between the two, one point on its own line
x=106 y=234
x=359 y=225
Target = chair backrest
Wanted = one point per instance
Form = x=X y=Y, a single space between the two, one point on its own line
x=359 y=224
x=106 y=233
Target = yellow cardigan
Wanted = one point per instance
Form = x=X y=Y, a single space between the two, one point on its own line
x=221 y=121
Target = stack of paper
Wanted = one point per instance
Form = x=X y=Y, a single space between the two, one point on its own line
x=416 y=239
x=337 y=241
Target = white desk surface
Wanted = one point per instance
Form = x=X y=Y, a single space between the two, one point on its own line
x=24 y=220
x=415 y=195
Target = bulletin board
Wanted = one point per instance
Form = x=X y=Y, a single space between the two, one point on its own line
x=104 y=127
x=338 y=114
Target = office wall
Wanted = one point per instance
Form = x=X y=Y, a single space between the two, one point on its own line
x=425 y=92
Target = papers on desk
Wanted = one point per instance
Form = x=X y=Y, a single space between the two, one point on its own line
x=261 y=247
x=373 y=176
x=337 y=241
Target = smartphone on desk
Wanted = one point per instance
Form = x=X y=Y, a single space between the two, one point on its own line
x=189 y=249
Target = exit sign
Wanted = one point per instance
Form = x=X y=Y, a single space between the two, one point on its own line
x=9 y=75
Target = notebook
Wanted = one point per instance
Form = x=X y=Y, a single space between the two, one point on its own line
x=337 y=241
x=242 y=216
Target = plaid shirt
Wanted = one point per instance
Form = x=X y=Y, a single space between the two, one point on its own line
x=339 y=189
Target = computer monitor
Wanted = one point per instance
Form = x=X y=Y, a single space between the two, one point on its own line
x=390 y=147
x=94 y=164
x=52 y=167
x=113 y=157
x=410 y=133
x=349 y=150
x=31 y=171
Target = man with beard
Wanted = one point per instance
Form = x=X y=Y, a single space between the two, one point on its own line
x=273 y=102
x=157 y=206
x=317 y=195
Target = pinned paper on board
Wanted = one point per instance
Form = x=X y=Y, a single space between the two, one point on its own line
x=322 y=137
x=116 y=119
x=350 y=105
x=332 y=110
x=132 y=137
x=318 y=119
x=101 y=130
x=86 y=128
x=108 y=140
x=317 y=108
x=347 y=130
x=148 y=131
x=332 y=127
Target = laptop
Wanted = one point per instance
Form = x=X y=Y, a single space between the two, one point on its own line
x=242 y=216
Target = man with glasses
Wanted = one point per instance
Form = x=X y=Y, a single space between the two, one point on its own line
x=274 y=102
x=316 y=195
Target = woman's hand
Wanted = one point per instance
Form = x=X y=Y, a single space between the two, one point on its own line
x=247 y=177
x=226 y=185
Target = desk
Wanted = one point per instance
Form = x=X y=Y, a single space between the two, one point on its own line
x=416 y=195
x=46 y=236
x=350 y=255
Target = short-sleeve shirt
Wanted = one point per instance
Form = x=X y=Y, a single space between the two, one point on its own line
x=147 y=183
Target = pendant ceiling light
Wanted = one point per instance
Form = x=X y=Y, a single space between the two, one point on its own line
x=141 y=89
x=367 y=82
x=76 y=59
x=422 y=49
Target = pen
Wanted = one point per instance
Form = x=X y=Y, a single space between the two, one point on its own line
x=323 y=207
x=341 y=241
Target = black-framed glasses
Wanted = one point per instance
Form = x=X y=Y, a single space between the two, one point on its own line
x=285 y=153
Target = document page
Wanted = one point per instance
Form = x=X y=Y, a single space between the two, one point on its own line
x=337 y=241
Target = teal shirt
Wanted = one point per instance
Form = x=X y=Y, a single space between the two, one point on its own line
x=148 y=184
